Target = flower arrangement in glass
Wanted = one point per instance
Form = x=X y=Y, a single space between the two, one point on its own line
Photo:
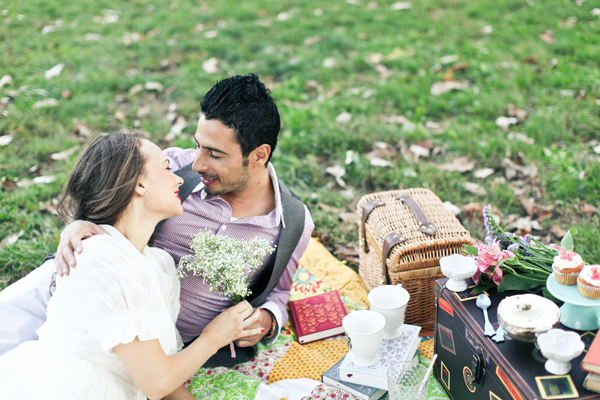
x=226 y=264
x=512 y=262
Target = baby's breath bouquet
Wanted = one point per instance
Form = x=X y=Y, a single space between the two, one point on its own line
x=226 y=264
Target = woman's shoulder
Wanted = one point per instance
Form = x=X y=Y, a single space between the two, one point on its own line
x=163 y=258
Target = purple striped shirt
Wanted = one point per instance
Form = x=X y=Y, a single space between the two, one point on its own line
x=199 y=305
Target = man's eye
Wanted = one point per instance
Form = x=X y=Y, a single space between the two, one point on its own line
x=212 y=155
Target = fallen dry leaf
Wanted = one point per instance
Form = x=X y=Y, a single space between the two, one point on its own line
x=211 y=66
x=397 y=119
x=11 y=239
x=8 y=184
x=54 y=71
x=154 y=86
x=63 y=155
x=349 y=157
x=211 y=34
x=442 y=87
x=483 y=173
x=349 y=217
x=5 y=80
x=558 y=231
x=66 y=94
x=46 y=103
x=460 y=164
x=419 y=151
x=135 y=89
x=142 y=112
x=374 y=58
x=531 y=59
x=517 y=112
x=6 y=139
x=506 y=122
x=81 y=129
x=378 y=162
x=382 y=71
x=520 y=137
x=587 y=209
x=472 y=209
x=329 y=209
x=451 y=207
x=176 y=129
x=337 y=171
x=475 y=188
x=120 y=115
x=343 y=118
x=512 y=169
x=51 y=206
x=401 y=6
x=309 y=41
x=330 y=62
x=547 y=37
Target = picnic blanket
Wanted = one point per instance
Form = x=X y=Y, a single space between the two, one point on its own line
x=288 y=370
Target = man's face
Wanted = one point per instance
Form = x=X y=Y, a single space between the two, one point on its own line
x=219 y=158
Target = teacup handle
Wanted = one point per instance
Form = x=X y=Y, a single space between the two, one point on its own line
x=399 y=285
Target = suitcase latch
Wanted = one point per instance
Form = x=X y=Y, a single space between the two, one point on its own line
x=478 y=365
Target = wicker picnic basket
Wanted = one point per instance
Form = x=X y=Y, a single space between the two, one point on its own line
x=403 y=234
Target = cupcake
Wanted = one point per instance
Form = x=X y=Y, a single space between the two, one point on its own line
x=588 y=282
x=567 y=266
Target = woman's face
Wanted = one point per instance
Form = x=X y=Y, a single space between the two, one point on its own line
x=160 y=184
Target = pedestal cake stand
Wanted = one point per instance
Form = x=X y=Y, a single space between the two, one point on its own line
x=577 y=312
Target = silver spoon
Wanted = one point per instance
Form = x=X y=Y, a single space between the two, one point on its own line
x=483 y=302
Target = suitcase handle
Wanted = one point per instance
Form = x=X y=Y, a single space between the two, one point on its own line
x=424 y=225
x=367 y=208
x=390 y=241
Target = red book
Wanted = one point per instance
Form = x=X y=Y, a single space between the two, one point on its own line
x=318 y=317
x=591 y=361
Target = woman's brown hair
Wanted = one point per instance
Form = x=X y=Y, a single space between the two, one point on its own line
x=103 y=180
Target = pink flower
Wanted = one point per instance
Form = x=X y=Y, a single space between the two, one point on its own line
x=568 y=255
x=487 y=261
x=556 y=247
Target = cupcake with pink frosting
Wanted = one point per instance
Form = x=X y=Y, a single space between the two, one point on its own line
x=588 y=282
x=567 y=266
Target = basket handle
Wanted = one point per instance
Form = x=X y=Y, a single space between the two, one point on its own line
x=424 y=225
x=392 y=239
x=367 y=208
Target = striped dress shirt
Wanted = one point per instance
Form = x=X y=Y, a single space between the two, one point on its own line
x=201 y=212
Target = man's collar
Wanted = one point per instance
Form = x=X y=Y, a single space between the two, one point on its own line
x=278 y=208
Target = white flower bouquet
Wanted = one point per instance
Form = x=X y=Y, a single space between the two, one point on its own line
x=226 y=264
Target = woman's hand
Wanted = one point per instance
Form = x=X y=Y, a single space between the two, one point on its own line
x=70 y=242
x=232 y=324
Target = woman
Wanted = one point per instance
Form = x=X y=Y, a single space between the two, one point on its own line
x=110 y=331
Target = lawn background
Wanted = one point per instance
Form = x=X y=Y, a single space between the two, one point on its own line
x=320 y=59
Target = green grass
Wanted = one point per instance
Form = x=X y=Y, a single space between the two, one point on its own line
x=253 y=36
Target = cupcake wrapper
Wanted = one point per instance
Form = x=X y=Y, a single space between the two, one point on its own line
x=566 y=279
x=589 y=292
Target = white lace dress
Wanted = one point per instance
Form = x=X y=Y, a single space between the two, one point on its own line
x=113 y=295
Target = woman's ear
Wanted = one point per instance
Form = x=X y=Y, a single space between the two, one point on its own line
x=140 y=189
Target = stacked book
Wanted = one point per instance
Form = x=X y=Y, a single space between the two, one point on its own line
x=370 y=383
x=591 y=364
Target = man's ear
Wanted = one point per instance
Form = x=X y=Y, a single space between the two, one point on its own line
x=260 y=155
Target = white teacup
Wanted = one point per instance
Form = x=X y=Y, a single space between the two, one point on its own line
x=364 y=332
x=391 y=302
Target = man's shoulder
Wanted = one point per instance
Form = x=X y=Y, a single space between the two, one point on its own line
x=179 y=157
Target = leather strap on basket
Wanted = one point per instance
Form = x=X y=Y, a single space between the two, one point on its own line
x=392 y=239
x=424 y=226
x=367 y=208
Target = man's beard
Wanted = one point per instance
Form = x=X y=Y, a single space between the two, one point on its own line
x=240 y=184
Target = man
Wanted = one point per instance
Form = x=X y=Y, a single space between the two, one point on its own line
x=238 y=195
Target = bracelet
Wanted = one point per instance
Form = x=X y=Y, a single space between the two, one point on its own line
x=271 y=332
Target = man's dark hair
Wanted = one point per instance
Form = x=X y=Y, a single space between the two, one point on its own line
x=243 y=103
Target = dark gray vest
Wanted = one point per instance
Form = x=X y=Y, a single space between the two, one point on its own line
x=294 y=214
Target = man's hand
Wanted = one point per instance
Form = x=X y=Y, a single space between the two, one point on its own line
x=264 y=321
x=70 y=242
